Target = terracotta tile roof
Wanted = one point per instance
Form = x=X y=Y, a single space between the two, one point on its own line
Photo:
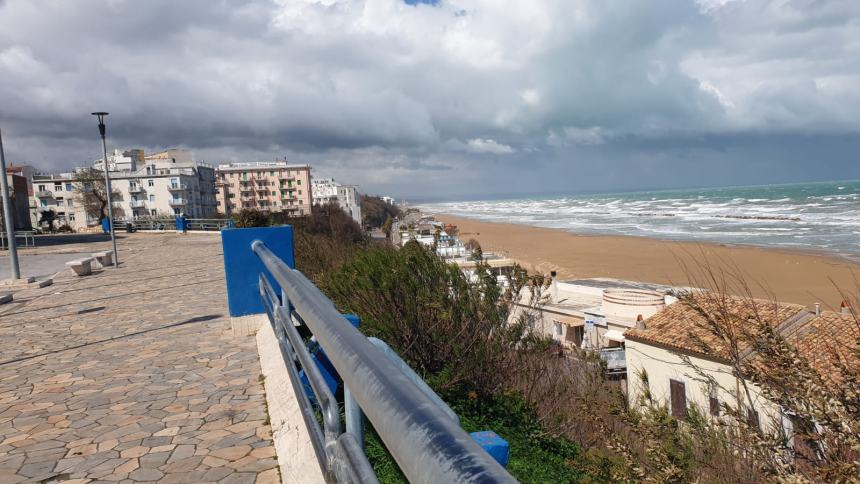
x=681 y=326
x=825 y=340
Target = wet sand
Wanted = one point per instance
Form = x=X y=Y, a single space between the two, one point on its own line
x=789 y=276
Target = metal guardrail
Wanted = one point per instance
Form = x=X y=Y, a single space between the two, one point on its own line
x=428 y=445
x=155 y=224
x=206 y=224
x=27 y=236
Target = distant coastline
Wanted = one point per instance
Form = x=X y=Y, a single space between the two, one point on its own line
x=820 y=218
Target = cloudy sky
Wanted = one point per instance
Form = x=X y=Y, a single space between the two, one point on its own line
x=446 y=98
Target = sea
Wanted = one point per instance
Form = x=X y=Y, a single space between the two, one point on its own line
x=821 y=216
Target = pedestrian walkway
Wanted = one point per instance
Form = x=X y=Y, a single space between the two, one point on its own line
x=131 y=375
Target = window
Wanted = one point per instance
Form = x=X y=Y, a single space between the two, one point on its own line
x=44 y=203
x=42 y=188
x=153 y=212
x=678 y=398
x=558 y=329
x=176 y=211
x=70 y=203
x=714 y=404
x=298 y=182
x=152 y=198
x=58 y=187
x=71 y=216
x=68 y=187
x=151 y=183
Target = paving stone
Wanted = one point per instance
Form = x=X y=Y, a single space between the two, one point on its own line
x=145 y=474
x=125 y=395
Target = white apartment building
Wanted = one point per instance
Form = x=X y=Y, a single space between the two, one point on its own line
x=56 y=192
x=347 y=197
x=168 y=183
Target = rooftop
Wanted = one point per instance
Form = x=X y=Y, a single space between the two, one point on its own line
x=682 y=327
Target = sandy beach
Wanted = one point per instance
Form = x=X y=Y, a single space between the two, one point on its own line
x=791 y=276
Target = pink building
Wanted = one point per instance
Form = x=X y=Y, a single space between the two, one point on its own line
x=272 y=186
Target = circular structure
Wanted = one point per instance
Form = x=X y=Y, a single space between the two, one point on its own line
x=630 y=303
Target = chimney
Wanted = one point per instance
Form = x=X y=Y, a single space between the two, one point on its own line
x=553 y=286
x=845 y=308
x=640 y=322
x=818 y=309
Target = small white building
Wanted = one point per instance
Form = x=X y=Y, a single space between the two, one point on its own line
x=687 y=365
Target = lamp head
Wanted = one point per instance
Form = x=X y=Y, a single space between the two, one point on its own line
x=101 y=115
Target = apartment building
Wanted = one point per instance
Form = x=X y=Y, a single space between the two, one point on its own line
x=56 y=191
x=328 y=191
x=273 y=186
x=167 y=183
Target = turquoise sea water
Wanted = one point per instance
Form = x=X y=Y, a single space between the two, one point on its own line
x=818 y=216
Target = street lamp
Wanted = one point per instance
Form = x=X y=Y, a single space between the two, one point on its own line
x=101 y=116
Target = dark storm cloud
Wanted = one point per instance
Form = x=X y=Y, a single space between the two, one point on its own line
x=448 y=97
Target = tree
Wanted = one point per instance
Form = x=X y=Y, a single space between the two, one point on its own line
x=386 y=227
x=89 y=185
x=48 y=217
x=375 y=210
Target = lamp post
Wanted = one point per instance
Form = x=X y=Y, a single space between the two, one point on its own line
x=101 y=117
x=8 y=221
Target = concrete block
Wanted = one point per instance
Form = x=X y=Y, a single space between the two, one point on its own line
x=296 y=457
x=81 y=267
x=104 y=259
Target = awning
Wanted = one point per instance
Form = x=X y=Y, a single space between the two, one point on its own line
x=614 y=335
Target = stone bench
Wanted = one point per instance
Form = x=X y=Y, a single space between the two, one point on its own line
x=81 y=267
x=104 y=258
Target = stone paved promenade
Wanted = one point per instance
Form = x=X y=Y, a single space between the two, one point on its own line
x=132 y=375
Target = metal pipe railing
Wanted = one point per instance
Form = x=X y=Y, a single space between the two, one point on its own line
x=427 y=444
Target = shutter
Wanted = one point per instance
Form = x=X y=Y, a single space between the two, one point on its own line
x=715 y=406
x=679 y=398
x=752 y=419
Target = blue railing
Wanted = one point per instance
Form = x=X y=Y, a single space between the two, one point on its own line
x=419 y=431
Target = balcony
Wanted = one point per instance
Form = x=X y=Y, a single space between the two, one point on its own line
x=138 y=203
x=178 y=202
x=135 y=189
x=177 y=187
x=44 y=194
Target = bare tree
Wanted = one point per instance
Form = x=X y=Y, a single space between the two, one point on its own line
x=89 y=185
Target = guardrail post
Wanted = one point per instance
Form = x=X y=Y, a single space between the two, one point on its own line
x=242 y=269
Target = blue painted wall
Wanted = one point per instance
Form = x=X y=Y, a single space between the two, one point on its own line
x=243 y=267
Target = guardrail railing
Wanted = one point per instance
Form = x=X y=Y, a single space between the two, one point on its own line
x=25 y=235
x=425 y=441
x=206 y=224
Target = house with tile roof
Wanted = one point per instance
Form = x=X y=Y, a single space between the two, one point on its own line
x=686 y=364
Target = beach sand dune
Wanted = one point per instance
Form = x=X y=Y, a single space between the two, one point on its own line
x=790 y=276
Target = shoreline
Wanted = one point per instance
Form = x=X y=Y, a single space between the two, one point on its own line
x=801 y=276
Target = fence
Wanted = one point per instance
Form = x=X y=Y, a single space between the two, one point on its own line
x=425 y=441
x=25 y=235
x=180 y=224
